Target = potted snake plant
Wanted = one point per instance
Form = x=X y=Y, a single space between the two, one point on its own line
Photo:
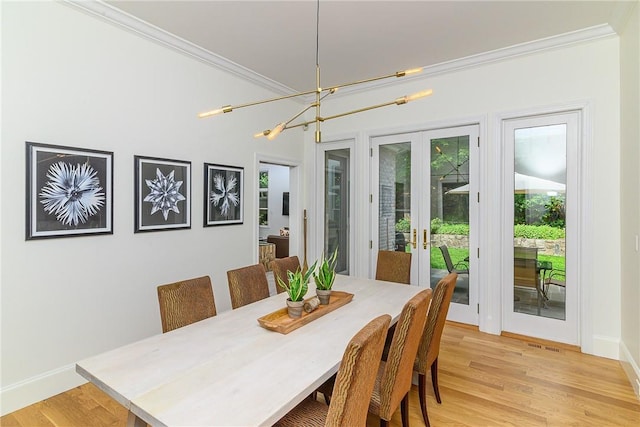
x=296 y=289
x=324 y=276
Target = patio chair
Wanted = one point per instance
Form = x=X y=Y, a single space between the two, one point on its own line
x=460 y=267
x=556 y=278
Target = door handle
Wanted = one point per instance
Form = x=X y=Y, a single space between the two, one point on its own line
x=424 y=239
x=415 y=238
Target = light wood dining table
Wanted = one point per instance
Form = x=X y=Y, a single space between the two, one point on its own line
x=228 y=370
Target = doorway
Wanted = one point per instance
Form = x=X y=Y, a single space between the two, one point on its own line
x=424 y=201
x=540 y=211
x=335 y=202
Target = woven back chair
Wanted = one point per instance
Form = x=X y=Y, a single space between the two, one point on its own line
x=394 y=266
x=393 y=380
x=247 y=285
x=280 y=266
x=427 y=357
x=353 y=385
x=185 y=302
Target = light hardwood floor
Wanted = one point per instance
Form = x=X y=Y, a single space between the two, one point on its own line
x=485 y=380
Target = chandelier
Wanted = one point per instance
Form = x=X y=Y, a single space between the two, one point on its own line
x=320 y=95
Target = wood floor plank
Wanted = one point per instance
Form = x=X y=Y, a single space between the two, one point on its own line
x=485 y=380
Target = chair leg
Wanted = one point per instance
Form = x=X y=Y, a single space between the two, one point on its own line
x=422 y=395
x=404 y=410
x=434 y=379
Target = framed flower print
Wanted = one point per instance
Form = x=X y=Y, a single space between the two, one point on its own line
x=223 y=195
x=162 y=194
x=69 y=191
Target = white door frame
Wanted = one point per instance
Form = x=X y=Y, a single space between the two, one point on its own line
x=347 y=143
x=421 y=173
x=583 y=249
x=295 y=202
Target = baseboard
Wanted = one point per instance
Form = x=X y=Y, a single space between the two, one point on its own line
x=40 y=387
x=608 y=347
x=630 y=368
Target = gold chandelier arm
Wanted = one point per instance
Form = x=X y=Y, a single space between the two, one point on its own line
x=398 y=101
x=332 y=89
x=271 y=133
x=373 y=79
x=230 y=108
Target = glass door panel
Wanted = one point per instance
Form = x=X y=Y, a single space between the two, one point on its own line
x=451 y=157
x=421 y=204
x=540 y=291
x=540 y=164
x=336 y=206
x=449 y=185
x=394 y=190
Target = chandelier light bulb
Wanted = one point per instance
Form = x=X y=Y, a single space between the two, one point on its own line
x=419 y=95
x=275 y=131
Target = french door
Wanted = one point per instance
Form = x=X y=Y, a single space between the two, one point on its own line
x=335 y=202
x=424 y=200
x=540 y=211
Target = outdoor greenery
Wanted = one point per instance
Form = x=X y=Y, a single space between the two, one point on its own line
x=545 y=232
x=457 y=229
x=403 y=225
x=539 y=209
x=263 y=179
x=459 y=254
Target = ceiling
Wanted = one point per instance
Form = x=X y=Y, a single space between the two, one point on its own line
x=362 y=39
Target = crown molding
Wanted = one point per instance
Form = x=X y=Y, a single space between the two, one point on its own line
x=549 y=43
x=133 y=24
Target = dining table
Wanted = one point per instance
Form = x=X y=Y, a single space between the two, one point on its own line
x=228 y=370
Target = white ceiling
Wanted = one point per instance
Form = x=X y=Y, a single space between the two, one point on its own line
x=361 y=39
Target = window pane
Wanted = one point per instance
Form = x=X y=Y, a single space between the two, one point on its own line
x=336 y=196
x=539 y=220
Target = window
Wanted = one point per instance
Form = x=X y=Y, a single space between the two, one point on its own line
x=263 y=198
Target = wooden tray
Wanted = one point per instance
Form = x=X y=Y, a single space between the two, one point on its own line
x=280 y=321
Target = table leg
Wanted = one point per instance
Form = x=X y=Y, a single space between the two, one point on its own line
x=134 y=421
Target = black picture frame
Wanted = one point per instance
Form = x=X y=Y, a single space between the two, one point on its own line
x=69 y=191
x=223 y=195
x=162 y=194
x=285 y=203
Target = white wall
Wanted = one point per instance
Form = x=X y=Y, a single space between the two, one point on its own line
x=585 y=74
x=69 y=78
x=278 y=184
x=72 y=79
x=630 y=201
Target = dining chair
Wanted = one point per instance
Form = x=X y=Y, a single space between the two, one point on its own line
x=280 y=266
x=185 y=302
x=427 y=356
x=353 y=385
x=393 y=381
x=248 y=284
x=394 y=266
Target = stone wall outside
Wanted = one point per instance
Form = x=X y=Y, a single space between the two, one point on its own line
x=545 y=247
